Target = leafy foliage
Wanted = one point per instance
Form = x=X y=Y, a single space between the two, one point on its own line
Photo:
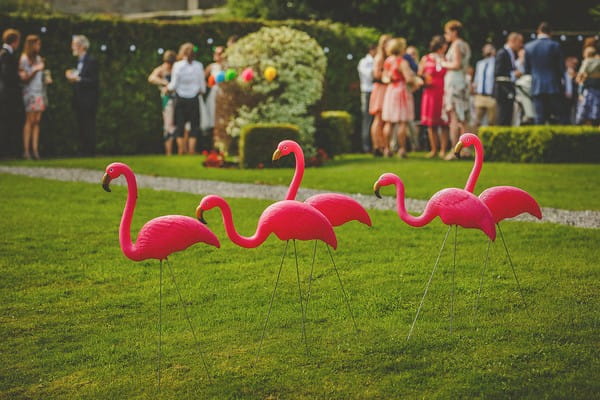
x=333 y=132
x=258 y=141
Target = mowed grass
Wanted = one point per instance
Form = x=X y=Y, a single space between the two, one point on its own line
x=79 y=320
x=566 y=186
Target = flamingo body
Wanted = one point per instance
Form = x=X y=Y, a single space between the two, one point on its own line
x=287 y=219
x=337 y=208
x=159 y=237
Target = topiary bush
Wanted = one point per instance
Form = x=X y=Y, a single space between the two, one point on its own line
x=300 y=64
x=259 y=141
x=334 y=129
x=545 y=143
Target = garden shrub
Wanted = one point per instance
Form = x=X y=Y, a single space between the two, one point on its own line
x=541 y=143
x=129 y=115
x=334 y=129
x=259 y=141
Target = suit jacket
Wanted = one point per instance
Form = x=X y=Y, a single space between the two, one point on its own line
x=85 y=91
x=10 y=90
x=503 y=65
x=544 y=61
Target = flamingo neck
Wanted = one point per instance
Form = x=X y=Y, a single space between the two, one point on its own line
x=421 y=220
x=474 y=176
x=248 y=242
x=125 y=228
x=298 y=174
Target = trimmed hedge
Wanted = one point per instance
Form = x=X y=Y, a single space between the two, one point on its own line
x=334 y=129
x=259 y=141
x=545 y=143
x=129 y=116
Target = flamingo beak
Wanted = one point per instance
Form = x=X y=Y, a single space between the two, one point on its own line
x=106 y=182
x=276 y=155
x=376 y=187
x=200 y=216
x=458 y=148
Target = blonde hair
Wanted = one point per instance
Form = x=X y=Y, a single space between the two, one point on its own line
x=454 y=25
x=381 y=45
x=169 y=57
x=29 y=47
x=396 y=46
x=186 y=51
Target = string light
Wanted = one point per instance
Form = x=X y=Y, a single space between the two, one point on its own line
x=325 y=49
x=349 y=56
x=209 y=40
x=103 y=47
x=563 y=37
x=43 y=29
x=132 y=48
x=532 y=36
x=160 y=50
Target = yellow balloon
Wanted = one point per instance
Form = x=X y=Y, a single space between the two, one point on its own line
x=270 y=73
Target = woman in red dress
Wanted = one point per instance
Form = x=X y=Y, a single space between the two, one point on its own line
x=430 y=68
x=376 y=101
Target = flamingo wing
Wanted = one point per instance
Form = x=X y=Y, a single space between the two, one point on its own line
x=339 y=208
x=165 y=235
x=509 y=201
x=291 y=219
x=459 y=207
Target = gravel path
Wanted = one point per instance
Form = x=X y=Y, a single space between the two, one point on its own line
x=582 y=219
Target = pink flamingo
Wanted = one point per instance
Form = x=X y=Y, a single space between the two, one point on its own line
x=454 y=207
x=158 y=239
x=288 y=220
x=503 y=201
x=338 y=208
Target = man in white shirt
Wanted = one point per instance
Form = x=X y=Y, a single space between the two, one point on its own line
x=187 y=81
x=485 y=104
x=365 y=74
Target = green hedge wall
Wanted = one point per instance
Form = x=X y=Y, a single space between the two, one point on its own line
x=129 y=117
x=544 y=143
x=334 y=129
x=259 y=141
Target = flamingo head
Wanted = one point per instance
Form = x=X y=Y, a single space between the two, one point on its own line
x=465 y=140
x=207 y=203
x=386 y=179
x=113 y=171
x=284 y=148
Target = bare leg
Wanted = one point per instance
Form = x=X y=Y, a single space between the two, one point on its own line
x=444 y=141
x=192 y=145
x=454 y=132
x=387 y=132
x=27 y=136
x=376 y=132
x=402 y=139
x=433 y=141
x=35 y=135
x=169 y=146
x=180 y=146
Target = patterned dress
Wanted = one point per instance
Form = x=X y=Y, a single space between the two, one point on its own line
x=376 y=100
x=456 y=85
x=433 y=94
x=398 y=103
x=33 y=91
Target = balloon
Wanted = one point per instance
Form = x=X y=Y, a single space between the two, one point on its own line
x=270 y=73
x=220 y=76
x=230 y=74
x=211 y=81
x=248 y=74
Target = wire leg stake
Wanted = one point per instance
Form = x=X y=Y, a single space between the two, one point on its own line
x=453 y=284
x=187 y=316
x=262 y=336
x=160 y=322
x=312 y=267
x=300 y=298
x=428 y=283
x=487 y=258
x=513 y=270
x=347 y=300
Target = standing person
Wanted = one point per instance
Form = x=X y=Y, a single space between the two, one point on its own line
x=544 y=61
x=456 y=85
x=398 y=107
x=187 y=81
x=430 y=68
x=365 y=74
x=161 y=76
x=84 y=79
x=31 y=71
x=11 y=102
x=571 y=88
x=506 y=73
x=485 y=104
x=412 y=56
x=208 y=118
x=376 y=100
x=588 y=111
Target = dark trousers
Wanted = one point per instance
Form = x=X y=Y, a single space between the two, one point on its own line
x=504 y=92
x=549 y=104
x=86 y=130
x=11 y=128
x=187 y=110
x=367 y=119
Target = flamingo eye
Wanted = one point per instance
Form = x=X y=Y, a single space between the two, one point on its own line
x=285 y=148
x=110 y=170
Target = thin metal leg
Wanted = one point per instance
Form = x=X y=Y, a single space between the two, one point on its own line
x=160 y=322
x=262 y=336
x=347 y=300
x=428 y=283
x=487 y=257
x=187 y=316
x=453 y=285
x=513 y=270
x=300 y=297
x=312 y=267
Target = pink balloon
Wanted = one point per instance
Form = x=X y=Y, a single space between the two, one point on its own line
x=159 y=237
x=248 y=74
x=338 y=208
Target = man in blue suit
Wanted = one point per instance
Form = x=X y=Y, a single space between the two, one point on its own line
x=544 y=61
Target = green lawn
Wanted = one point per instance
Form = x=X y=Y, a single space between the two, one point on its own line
x=79 y=320
x=567 y=186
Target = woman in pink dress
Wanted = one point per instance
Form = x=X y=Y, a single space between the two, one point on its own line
x=376 y=101
x=430 y=68
x=398 y=104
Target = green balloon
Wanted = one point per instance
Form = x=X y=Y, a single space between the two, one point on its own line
x=230 y=74
x=195 y=49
